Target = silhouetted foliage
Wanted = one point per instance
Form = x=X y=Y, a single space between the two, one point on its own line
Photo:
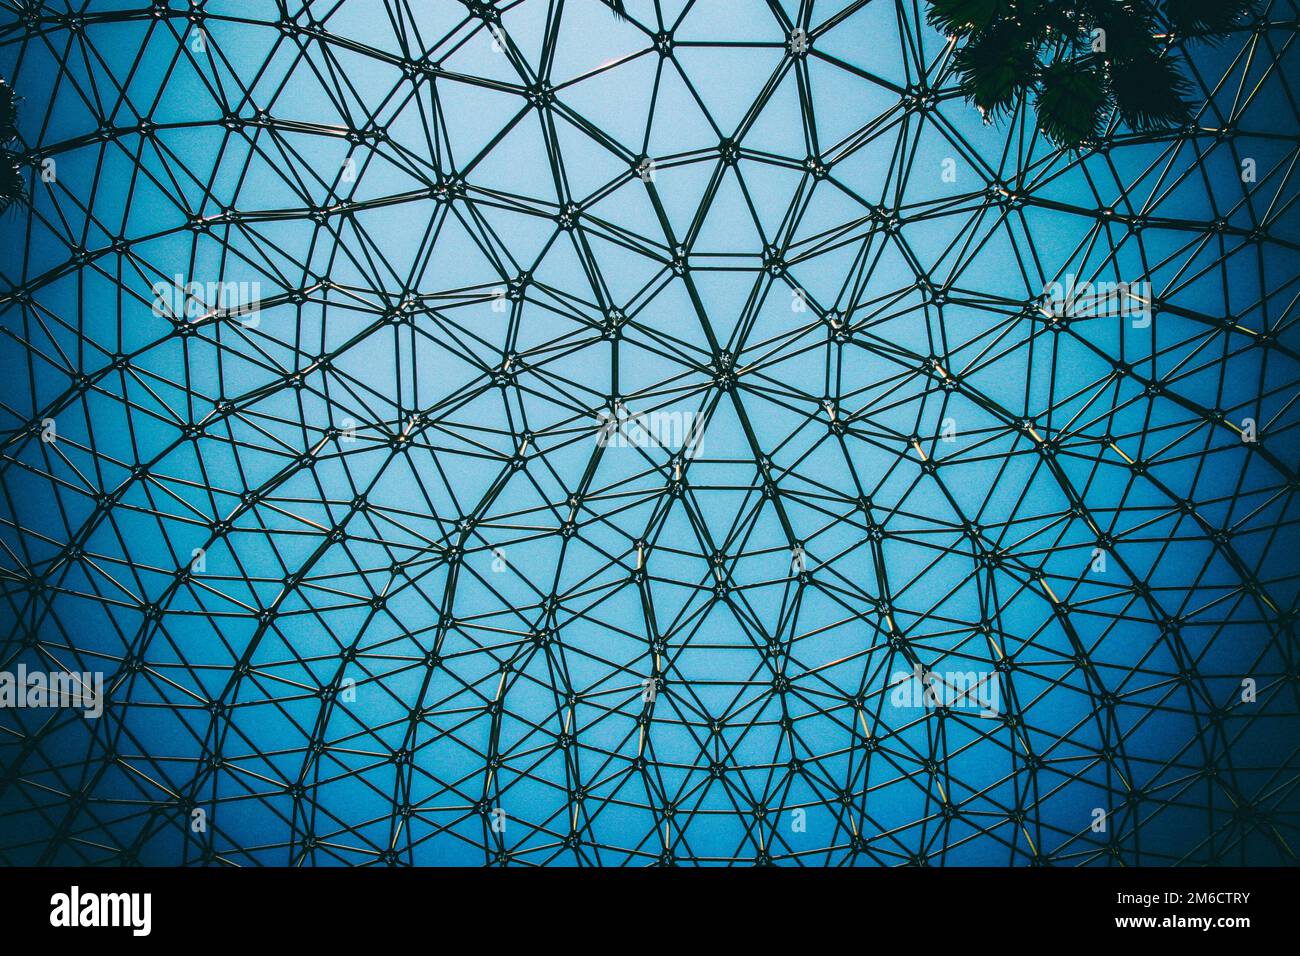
x=11 y=178
x=1080 y=59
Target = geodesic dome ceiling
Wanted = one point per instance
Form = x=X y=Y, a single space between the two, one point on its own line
x=370 y=577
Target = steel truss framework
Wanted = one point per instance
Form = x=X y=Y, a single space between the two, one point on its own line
x=368 y=587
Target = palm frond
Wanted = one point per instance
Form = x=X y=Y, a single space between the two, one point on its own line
x=1151 y=94
x=962 y=17
x=1130 y=30
x=995 y=66
x=1070 y=103
x=8 y=112
x=1206 y=19
x=11 y=180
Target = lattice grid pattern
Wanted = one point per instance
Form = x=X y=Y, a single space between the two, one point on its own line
x=371 y=578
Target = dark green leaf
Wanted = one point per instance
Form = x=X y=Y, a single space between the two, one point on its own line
x=11 y=181
x=962 y=17
x=1208 y=19
x=1046 y=20
x=1070 y=103
x=1151 y=94
x=996 y=67
x=1130 y=30
x=8 y=112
